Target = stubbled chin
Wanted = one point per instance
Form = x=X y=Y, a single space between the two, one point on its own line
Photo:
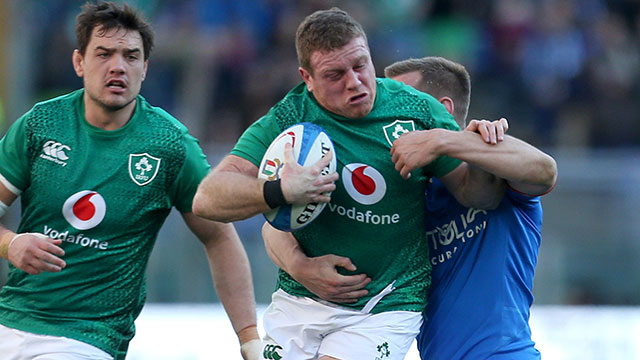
x=115 y=104
x=359 y=112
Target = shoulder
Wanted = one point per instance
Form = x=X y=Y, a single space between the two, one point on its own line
x=162 y=132
x=63 y=104
x=162 y=126
x=292 y=107
x=403 y=100
x=405 y=92
x=160 y=117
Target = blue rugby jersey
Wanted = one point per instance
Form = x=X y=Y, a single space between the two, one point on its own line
x=483 y=268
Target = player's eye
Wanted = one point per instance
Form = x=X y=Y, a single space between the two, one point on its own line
x=333 y=76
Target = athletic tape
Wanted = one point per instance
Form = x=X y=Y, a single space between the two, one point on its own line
x=252 y=350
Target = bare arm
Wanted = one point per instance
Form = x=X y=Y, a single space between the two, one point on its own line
x=318 y=274
x=233 y=192
x=230 y=271
x=471 y=186
x=230 y=192
x=524 y=167
x=29 y=252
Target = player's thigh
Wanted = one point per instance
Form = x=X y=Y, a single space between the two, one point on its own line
x=294 y=327
x=22 y=345
x=387 y=336
x=10 y=343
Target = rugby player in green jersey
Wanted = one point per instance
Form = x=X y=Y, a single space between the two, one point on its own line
x=499 y=254
x=363 y=115
x=98 y=171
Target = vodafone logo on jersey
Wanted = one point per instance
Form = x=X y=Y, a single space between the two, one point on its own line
x=363 y=183
x=84 y=210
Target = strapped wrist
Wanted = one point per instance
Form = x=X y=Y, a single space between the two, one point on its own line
x=5 y=241
x=273 y=195
x=248 y=333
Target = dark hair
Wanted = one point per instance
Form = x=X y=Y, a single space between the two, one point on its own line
x=108 y=16
x=325 y=30
x=440 y=77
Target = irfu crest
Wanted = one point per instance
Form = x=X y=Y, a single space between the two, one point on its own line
x=397 y=128
x=143 y=168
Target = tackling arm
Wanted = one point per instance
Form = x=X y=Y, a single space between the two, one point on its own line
x=471 y=186
x=524 y=167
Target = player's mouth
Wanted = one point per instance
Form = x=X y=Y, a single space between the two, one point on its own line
x=358 y=99
x=116 y=85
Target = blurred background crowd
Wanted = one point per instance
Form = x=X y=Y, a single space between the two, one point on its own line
x=563 y=72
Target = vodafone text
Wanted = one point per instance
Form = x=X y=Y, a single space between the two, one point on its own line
x=366 y=217
x=459 y=230
x=79 y=239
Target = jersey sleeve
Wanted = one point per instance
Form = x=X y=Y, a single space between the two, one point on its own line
x=14 y=157
x=195 y=168
x=256 y=139
x=442 y=119
x=529 y=207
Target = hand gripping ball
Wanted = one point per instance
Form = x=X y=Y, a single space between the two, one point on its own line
x=310 y=143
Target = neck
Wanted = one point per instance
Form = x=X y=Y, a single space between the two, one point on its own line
x=106 y=118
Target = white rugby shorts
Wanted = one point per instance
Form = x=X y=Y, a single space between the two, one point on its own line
x=22 y=345
x=303 y=328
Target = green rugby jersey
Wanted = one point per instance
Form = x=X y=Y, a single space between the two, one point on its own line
x=105 y=194
x=375 y=217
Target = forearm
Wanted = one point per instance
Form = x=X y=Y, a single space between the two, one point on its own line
x=523 y=166
x=231 y=275
x=283 y=249
x=6 y=235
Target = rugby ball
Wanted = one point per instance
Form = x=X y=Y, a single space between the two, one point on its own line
x=310 y=143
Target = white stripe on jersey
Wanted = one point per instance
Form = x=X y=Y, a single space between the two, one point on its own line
x=9 y=186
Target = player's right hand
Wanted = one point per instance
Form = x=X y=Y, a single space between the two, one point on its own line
x=320 y=276
x=304 y=184
x=35 y=253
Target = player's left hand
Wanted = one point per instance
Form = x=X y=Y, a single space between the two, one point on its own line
x=492 y=132
x=416 y=149
x=250 y=343
x=320 y=276
x=305 y=184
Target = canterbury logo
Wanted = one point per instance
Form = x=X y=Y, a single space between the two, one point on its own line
x=271 y=352
x=56 y=150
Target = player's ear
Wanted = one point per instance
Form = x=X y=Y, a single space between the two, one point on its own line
x=144 y=72
x=78 y=62
x=448 y=104
x=306 y=77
